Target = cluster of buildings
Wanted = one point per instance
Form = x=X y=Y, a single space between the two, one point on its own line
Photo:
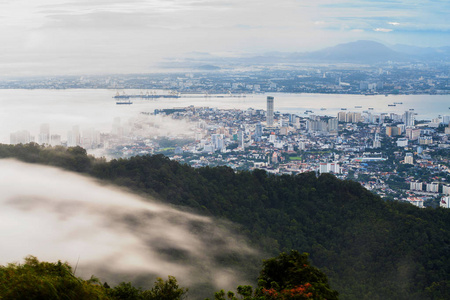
x=388 y=153
x=390 y=78
x=88 y=139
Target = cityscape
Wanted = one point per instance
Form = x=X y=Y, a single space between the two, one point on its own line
x=396 y=78
x=393 y=155
x=224 y=149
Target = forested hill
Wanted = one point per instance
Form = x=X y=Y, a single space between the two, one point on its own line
x=369 y=248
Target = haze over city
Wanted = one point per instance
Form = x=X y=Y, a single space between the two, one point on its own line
x=49 y=37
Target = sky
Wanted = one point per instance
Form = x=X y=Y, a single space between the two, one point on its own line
x=58 y=37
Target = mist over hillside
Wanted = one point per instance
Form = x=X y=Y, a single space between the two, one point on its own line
x=57 y=215
x=369 y=248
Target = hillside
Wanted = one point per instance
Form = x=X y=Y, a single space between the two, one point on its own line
x=370 y=249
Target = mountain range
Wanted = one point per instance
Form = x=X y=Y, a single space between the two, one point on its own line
x=358 y=52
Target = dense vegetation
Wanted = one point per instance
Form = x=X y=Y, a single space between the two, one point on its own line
x=35 y=280
x=286 y=277
x=370 y=249
x=289 y=276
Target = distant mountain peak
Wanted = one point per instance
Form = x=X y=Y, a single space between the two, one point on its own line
x=358 y=51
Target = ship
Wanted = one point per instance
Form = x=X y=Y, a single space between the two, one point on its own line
x=358 y=106
x=391 y=104
x=323 y=108
x=343 y=109
x=124 y=102
x=146 y=96
x=398 y=102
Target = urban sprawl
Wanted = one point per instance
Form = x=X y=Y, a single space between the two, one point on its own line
x=396 y=156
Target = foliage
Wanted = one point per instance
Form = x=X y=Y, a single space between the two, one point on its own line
x=35 y=280
x=289 y=276
x=370 y=249
x=43 y=280
x=165 y=290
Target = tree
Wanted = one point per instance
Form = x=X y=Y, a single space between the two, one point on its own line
x=289 y=276
x=165 y=290
x=43 y=280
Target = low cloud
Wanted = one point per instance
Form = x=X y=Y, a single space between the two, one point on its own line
x=117 y=236
x=383 y=30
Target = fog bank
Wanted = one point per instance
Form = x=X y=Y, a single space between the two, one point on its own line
x=117 y=236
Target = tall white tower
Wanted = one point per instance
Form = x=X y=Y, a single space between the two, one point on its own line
x=44 y=134
x=408 y=118
x=269 y=117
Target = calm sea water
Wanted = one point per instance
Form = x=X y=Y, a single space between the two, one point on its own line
x=95 y=108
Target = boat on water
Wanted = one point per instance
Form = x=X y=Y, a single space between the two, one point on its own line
x=124 y=102
x=145 y=96
x=370 y=108
x=323 y=108
x=392 y=104
x=398 y=102
x=358 y=106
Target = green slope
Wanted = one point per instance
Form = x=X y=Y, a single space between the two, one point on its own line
x=370 y=249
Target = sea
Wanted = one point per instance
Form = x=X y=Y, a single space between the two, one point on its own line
x=27 y=109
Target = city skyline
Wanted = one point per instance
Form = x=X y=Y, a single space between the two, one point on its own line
x=63 y=37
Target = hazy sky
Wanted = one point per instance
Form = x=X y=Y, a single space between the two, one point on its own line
x=102 y=36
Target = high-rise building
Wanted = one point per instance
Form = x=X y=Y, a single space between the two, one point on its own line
x=21 y=137
x=333 y=125
x=445 y=202
x=415 y=186
x=409 y=158
x=376 y=141
x=412 y=133
x=329 y=168
x=433 y=187
x=392 y=131
x=73 y=137
x=258 y=132
x=408 y=118
x=44 y=134
x=269 y=117
x=446 y=189
x=241 y=138
x=217 y=141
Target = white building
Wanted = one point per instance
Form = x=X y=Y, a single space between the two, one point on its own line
x=446 y=189
x=402 y=142
x=20 y=137
x=416 y=201
x=409 y=159
x=415 y=186
x=44 y=134
x=445 y=202
x=433 y=187
x=329 y=168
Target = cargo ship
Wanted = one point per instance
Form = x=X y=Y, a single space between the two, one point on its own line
x=124 y=102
